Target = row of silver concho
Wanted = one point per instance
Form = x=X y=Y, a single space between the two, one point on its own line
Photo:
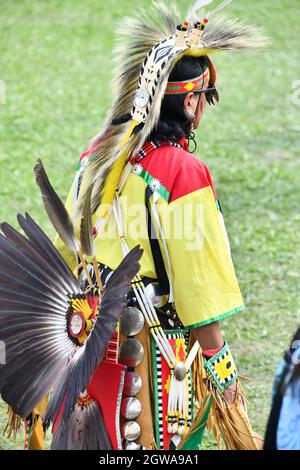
x=131 y=355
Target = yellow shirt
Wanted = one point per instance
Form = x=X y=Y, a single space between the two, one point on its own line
x=196 y=251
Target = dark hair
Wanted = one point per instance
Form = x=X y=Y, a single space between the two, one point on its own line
x=174 y=123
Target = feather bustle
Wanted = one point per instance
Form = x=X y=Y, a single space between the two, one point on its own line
x=80 y=369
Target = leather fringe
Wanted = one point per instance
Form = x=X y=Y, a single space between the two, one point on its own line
x=13 y=424
x=200 y=421
x=229 y=424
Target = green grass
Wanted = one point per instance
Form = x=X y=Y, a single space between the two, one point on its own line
x=55 y=61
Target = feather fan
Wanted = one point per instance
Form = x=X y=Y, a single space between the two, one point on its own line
x=82 y=365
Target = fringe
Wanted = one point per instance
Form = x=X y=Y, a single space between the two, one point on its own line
x=229 y=423
x=34 y=437
x=232 y=424
x=153 y=445
x=198 y=375
x=200 y=422
x=13 y=424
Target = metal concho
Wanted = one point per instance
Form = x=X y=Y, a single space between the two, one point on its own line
x=132 y=446
x=180 y=371
x=131 y=430
x=132 y=384
x=132 y=321
x=131 y=352
x=131 y=408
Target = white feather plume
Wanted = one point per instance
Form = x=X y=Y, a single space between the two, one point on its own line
x=195 y=8
x=219 y=8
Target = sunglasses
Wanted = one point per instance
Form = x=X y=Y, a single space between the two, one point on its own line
x=211 y=95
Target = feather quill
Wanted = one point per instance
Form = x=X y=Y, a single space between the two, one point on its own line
x=219 y=8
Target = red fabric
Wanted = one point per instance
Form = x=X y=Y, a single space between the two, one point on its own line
x=211 y=352
x=105 y=389
x=179 y=171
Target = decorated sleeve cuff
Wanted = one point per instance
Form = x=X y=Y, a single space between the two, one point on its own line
x=221 y=369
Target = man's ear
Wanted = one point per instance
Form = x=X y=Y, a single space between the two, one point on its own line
x=190 y=104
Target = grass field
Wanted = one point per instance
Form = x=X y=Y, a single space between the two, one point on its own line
x=55 y=63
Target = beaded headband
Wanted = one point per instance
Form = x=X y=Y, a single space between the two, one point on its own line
x=187 y=86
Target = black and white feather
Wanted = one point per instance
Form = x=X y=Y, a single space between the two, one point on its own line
x=55 y=209
x=84 y=430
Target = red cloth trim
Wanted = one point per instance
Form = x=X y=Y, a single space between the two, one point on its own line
x=178 y=171
x=211 y=352
x=105 y=388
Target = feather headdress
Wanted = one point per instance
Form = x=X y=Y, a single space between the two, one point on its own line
x=149 y=47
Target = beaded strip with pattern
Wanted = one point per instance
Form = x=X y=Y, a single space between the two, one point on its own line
x=149 y=147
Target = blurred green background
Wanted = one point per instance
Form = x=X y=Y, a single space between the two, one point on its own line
x=55 y=66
